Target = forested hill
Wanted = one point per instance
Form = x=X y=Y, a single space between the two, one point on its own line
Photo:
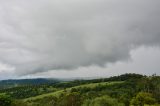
x=22 y=82
x=122 y=90
x=38 y=81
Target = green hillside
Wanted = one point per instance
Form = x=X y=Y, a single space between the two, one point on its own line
x=123 y=90
x=57 y=93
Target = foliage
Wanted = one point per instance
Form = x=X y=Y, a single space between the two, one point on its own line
x=102 y=101
x=70 y=99
x=5 y=100
x=143 y=98
x=22 y=92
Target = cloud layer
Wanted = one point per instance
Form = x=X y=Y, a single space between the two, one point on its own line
x=37 y=36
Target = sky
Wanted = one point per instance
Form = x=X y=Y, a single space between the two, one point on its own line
x=79 y=38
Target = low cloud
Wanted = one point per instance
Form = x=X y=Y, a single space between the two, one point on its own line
x=37 y=36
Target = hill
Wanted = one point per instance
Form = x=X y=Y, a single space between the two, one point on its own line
x=123 y=90
x=22 y=82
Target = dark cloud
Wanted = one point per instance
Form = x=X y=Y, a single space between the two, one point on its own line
x=46 y=35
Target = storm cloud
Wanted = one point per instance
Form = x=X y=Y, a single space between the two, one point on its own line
x=42 y=35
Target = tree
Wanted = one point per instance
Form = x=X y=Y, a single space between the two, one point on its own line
x=102 y=101
x=142 y=98
x=5 y=100
x=70 y=99
x=125 y=98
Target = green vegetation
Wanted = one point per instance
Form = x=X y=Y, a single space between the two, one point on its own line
x=102 y=101
x=123 y=90
x=5 y=100
x=143 y=98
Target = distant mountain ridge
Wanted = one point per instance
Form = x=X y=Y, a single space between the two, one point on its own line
x=15 y=82
x=38 y=81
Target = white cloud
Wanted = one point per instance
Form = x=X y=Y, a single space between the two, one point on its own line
x=6 y=71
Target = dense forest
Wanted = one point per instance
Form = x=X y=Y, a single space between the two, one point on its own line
x=123 y=90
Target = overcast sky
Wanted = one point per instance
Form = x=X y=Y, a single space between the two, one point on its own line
x=79 y=38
